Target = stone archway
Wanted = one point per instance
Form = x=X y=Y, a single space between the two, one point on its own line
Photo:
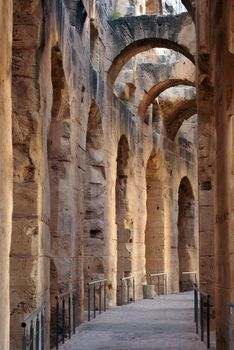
x=124 y=214
x=127 y=40
x=174 y=119
x=157 y=89
x=187 y=241
x=154 y=231
x=94 y=198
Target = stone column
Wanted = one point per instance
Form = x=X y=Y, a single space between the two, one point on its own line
x=206 y=151
x=5 y=166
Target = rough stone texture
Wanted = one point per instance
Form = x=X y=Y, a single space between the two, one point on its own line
x=89 y=172
x=217 y=36
x=5 y=166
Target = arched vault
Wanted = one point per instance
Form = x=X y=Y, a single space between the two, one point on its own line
x=177 y=115
x=156 y=90
x=129 y=36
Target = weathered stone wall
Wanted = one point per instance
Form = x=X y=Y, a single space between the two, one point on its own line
x=5 y=166
x=83 y=204
x=217 y=29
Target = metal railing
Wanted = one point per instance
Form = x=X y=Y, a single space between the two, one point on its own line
x=34 y=328
x=97 y=286
x=230 y=325
x=126 y=284
x=159 y=276
x=189 y=281
x=65 y=316
x=203 y=300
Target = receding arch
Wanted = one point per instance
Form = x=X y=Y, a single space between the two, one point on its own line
x=181 y=112
x=187 y=241
x=157 y=89
x=124 y=214
x=140 y=46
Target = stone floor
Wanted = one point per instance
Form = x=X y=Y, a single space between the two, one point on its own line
x=163 y=323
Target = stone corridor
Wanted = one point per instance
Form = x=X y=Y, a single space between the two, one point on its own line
x=163 y=323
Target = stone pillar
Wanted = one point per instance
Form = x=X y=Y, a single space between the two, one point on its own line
x=206 y=151
x=5 y=166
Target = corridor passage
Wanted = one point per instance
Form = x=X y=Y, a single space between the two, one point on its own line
x=163 y=323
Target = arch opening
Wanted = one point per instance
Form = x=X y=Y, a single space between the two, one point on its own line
x=157 y=89
x=124 y=216
x=94 y=198
x=140 y=46
x=187 y=241
x=154 y=230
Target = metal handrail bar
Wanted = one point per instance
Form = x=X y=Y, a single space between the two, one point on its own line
x=128 y=279
x=92 y=284
x=65 y=294
x=203 y=295
x=69 y=299
x=36 y=323
x=96 y=282
x=158 y=275
x=32 y=316
x=230 y=324
x=187 y=273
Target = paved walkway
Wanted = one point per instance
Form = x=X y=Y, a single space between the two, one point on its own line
x=165 y=323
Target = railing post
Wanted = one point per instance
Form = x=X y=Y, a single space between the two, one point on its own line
x=74 y=313
x=166 y=284
x=208 y=321
x=121 y=292
x=37 y=332
x=42 y=330
x=31 y=347
x=104 y=296
x=202 y=316
x=89 y=303
x=229 y=327
x=134 y=290
x=182 y=282
x=158 y=285
x=150 y=278
x=63 y=320
x=100 y=298
x=128 y=290
x=57 y=322
x=196 y=307
x=24 y=340
x=69 y=316
x=94 y=301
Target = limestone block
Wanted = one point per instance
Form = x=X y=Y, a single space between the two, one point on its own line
x=24 y=272
x=61 y=245
x=25 y=199
x=22 y=106
x=149 y=291
x=26 y=37
x=61 y=269
x=24 y=62
x=25 y=236
x=93 y=247
x=206 y=219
